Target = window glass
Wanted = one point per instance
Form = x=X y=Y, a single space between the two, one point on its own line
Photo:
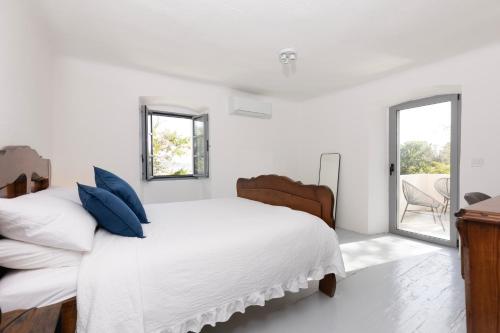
x=174 y=145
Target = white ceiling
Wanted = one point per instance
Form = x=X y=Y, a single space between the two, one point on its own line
x=235 y=42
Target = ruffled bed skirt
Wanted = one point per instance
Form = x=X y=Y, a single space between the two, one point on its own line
x=223 y=312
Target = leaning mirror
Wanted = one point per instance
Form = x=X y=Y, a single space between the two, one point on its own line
x=329 y=171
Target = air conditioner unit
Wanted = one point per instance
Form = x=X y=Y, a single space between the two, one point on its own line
x=244 y=106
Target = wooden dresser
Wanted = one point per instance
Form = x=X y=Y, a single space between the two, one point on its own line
x=479 y=228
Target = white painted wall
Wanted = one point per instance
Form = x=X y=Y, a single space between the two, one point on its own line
x=354 y=122
x=96 y=114
x=25 y=77
x=91 y=111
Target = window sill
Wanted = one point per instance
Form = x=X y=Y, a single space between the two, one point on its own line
x=156 y=178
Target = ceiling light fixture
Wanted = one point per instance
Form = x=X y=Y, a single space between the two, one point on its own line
x=288 y=57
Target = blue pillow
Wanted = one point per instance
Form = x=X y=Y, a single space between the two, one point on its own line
x=110 y=211
x=114 y=184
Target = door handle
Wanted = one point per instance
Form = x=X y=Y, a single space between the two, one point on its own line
x=391 y=169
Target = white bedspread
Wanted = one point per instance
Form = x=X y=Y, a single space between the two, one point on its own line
x=201 y=262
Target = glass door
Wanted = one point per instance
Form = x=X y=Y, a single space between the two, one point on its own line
x=424 y=155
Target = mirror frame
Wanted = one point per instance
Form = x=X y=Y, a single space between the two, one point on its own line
x=335 y=194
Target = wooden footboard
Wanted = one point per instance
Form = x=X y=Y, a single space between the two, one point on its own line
x=282 y=191
x=67 y=317
x=60 y=317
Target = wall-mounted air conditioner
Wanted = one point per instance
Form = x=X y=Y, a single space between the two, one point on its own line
x=249 y=107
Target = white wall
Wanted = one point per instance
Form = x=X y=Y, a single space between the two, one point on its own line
x=96 y=117
x=91 y=113
x=354 y=122
x=25 y=77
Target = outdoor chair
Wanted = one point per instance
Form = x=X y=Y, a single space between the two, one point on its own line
x=416 y=197
x=442 y=186
x=475 y=197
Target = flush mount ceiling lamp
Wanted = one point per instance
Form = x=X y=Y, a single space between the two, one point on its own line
x=288 y=57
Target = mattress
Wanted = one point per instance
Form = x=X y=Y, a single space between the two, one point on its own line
x=27 y=289
x=201 y=262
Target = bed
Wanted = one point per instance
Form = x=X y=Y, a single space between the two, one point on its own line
x=200 y=262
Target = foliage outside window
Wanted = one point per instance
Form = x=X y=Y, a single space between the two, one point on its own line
x=175 y=145
x=423 y=157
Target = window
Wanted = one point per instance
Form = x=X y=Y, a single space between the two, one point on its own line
x=175 y=145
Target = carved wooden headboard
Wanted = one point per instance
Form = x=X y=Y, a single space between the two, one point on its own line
x=17 y=165
x=282 y=191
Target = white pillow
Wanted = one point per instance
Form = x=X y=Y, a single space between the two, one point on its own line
x=20 y=255
x=47 y=220
x=37 y=287
x=62 y=193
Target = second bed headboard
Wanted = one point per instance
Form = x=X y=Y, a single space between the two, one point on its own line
x=22 y=171
x=282 y=191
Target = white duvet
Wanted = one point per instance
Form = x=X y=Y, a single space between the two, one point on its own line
x=201 y=262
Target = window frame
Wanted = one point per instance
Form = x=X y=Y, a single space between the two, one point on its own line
x=146 y=156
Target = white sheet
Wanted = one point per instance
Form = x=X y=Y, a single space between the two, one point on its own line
x=201 y=262
x=37 y=287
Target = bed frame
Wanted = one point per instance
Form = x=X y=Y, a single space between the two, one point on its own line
x=20 y=163
x=282 y=191
x=17 y=165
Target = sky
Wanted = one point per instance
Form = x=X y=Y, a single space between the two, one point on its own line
x=431 y=123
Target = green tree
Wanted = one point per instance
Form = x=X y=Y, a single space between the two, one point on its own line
x=168 y=145
x=438 y=167
x=444 y=154
x=416 y=157
x=420 y=157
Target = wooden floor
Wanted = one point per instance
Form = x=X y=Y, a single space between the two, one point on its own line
x=393 y=285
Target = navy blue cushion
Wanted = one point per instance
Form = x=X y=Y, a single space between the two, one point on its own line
x=110 y=211
x=114 y=184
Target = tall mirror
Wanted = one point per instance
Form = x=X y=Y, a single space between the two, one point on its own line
x=329 y=172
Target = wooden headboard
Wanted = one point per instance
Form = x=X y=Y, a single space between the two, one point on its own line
x=17 y=165
x=282 y=191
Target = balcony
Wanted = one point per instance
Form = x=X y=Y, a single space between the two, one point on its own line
x=420 y=219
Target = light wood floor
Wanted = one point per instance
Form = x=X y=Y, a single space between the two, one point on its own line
x=393 y=285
